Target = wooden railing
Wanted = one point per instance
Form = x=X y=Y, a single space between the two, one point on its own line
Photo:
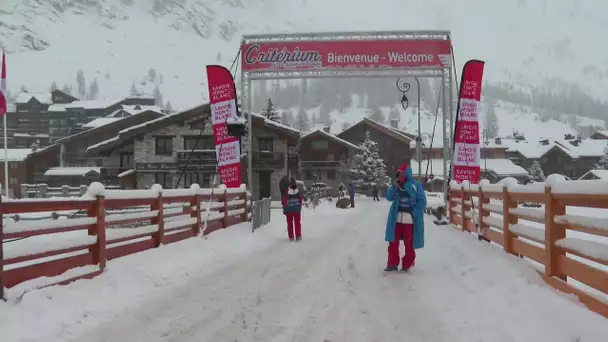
x=112 y=224
x=531 y=221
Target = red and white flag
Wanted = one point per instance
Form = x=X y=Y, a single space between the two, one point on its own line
x=3 y=95
x=466 y=137
x=222 y=97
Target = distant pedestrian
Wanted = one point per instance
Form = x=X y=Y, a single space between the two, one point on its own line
x=351 y=194
x=375 y=191
x=292 y=208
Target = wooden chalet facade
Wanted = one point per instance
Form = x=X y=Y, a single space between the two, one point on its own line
x=178 y=150
x=71 y=151
x=324 y=158
x=393 y=144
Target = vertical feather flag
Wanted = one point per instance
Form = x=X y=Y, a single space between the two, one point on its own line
x=3 y=95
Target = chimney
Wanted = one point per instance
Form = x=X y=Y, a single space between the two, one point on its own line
x=395 y=123
x=326 y=129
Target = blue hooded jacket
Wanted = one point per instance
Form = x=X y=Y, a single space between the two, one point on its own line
x=415 y=191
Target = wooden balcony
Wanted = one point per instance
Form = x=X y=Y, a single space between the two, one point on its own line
x=196 y=156
x=320 y=165
x=272 y=160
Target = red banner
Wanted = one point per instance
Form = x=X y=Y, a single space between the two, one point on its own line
x=222 y=97
x=353 y=54
x=466 y=137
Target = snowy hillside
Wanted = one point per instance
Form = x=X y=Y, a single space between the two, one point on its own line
x=118 y=41
x=510 y=117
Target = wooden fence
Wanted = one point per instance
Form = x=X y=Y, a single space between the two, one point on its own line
x=115 y=223
x=531 y=221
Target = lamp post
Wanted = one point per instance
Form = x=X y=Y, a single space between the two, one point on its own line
x=403 y=86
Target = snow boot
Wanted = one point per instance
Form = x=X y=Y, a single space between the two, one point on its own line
x=299 y=238
x=291 y=239
x=391 y=269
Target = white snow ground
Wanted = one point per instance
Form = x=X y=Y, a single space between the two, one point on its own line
x=238 y=286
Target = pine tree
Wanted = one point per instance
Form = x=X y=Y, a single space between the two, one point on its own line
x=394 y=114
x=345 y=126
x=303 y=122
x=67 y=89
x=314 y=120
x=93 y=90
x=168 y=106
x=152 y=74
x=81 y=83
x=491 y=123
x=54 y=86
x=368 y=167
x=158 y=96
x=536 y=172
x=23 y=89
x=270 y=111
x=376 y=114
x=602 y=164
x=287 y=118
x=134 y=89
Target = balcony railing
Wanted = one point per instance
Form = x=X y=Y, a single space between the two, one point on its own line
x=206 y=156
x=320 y=165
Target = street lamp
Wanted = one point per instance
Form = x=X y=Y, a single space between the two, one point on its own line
x=403 y=86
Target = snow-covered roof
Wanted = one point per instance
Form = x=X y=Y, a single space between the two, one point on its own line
x=601 y=174
x=100 y=122
x=333 y=137
x=134 y=109
x=15 y=154
x=102 y=143
x=86 y=104
x=44 y=98
x=126 y=173
x=275 y=124
x=500 y=166
x=71 y=171
x=28 y=135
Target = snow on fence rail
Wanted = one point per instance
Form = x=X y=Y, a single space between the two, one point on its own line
x=36 y=254
x=538 y=230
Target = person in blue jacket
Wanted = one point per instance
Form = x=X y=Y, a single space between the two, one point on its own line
x=405 y=219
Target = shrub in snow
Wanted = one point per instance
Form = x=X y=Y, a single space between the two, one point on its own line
x=157 y=188
x=536 y=172
x=95 y=189
x=555 y=178
x=509 y=182
x=602 y=164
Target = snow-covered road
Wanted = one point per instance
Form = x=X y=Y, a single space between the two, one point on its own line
x=238 y=286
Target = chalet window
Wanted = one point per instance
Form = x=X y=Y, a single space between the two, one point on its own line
x=331 y=174
x=164 y=145
x=164 y=179
x=308 y=175
x=319 y=144
x=126 y=161
x=265 y=144
x=204 y=143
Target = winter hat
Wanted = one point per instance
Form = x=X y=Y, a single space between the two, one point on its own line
x=402 y=169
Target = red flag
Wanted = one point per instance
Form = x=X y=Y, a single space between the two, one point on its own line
x=3 y=104
x=466 y=136
x=222 y=97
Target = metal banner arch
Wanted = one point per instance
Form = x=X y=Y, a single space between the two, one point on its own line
x=351 y=54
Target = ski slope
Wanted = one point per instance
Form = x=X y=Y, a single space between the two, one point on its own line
x=238 y=286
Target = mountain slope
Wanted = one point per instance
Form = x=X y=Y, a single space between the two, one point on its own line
x=118 y=41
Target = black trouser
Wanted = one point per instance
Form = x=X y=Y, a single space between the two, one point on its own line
x=352 y=201
x=376 y=197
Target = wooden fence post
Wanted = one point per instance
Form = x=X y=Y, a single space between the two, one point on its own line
x=98 y=250
x=507 y=220
x=195 y=203
x=553 y=232
x=225 y=220
x=245 y=215
x=1 y=250
x=482 y=202
x=159 y=219
x=462 y=208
